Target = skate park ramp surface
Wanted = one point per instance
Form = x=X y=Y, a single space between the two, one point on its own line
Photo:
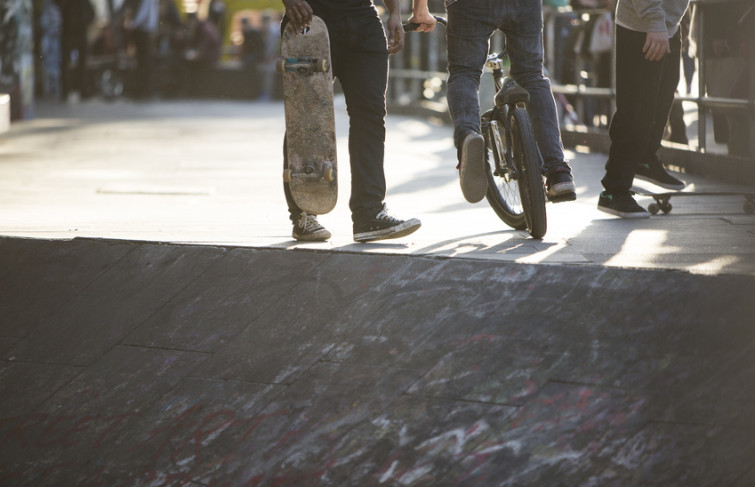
x=148 y=364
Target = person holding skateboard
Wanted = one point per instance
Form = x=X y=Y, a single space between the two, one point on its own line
x=359 y=58
x=648 y=55
x=471 y=23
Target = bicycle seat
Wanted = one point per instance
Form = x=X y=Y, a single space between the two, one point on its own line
x=511 y=93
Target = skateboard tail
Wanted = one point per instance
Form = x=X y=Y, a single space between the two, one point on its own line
x=309 y=197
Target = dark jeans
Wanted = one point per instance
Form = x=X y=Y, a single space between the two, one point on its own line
x=359 y=57
x=644 y=95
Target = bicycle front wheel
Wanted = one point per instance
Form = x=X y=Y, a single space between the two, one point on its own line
x=527 y=161
x=503 y=188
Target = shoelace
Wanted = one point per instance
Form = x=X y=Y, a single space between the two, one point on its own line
x=383 y=215
x=308 y=222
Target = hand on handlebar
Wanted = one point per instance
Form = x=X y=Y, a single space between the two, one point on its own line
x=419 y=23
x=424 y=21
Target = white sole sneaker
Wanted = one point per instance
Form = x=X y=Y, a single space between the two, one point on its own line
x=397 y=231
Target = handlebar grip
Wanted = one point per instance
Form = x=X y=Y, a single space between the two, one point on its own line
x=411 y=26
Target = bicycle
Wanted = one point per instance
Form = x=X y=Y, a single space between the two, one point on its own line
x=516 y=191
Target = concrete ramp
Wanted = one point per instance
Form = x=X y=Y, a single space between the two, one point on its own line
x=144 y=364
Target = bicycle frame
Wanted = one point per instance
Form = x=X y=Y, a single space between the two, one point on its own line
x=503 y=168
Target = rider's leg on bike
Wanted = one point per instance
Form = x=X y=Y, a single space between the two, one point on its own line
x=467 y=53
x=525 y=48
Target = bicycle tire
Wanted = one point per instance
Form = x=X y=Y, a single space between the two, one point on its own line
x=503 y=191
x=528 y=161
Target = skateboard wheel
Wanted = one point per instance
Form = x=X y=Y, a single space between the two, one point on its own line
x=287 y=175
x=328 y=174
x=280 y=66
x=323 y=66
x=653 y=208
x=666 y=208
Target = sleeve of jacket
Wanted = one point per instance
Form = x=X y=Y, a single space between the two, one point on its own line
x=650 y=14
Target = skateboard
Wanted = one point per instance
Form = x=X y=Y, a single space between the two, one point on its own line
x=662 y=199
x=312 y=169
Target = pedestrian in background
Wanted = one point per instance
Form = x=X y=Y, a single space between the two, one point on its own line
x=141 y=20
x=51 y=28
x=271 y=34
x=648 y=56
x=203 y=44
x=77 y=16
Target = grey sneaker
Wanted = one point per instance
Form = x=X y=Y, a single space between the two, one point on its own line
x=473 y=179
x=654 y=172
x=621 y=205
x=308 y=229
x=383 y=226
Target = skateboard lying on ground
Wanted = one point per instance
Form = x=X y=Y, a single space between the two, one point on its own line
x=662 y=199
x=312 y=169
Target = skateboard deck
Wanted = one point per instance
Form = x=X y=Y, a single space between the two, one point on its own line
x=662 y=199
x=312 y=171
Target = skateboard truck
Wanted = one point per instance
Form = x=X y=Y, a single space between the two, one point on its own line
x=302 y=65
x=322 y=170
x=661 y=200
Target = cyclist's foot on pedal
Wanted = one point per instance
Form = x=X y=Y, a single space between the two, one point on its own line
x=654 y=172
x=308 y=229
x=383 y=226
x=474 y=181
x=622 y=205
x=559 y=185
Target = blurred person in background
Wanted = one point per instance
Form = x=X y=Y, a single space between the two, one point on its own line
x=167 y=53
x=216 y=14
x=271 y=40
x=202 y=45
x=252 y=47
x=51 y=26
x=720 y=41
x=141 y=19
x=77 y=16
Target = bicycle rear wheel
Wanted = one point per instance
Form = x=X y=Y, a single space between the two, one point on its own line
x=503 y=189
x=528 y=162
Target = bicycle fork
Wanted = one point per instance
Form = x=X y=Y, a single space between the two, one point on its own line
x=503 y=158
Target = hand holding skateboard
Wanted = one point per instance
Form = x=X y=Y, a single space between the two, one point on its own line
x=299 y=13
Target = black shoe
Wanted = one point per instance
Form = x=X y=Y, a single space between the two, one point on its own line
x=383 y=226
x=654 y=172
x=559 y=185
x=472 y=173
x=308 y=229
x=621 y=205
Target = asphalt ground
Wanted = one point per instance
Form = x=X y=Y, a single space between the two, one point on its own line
x=159 y=326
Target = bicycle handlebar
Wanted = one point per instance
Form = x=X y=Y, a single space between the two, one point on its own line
x=411 y=26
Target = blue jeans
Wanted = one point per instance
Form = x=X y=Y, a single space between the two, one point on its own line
x=471 y=23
